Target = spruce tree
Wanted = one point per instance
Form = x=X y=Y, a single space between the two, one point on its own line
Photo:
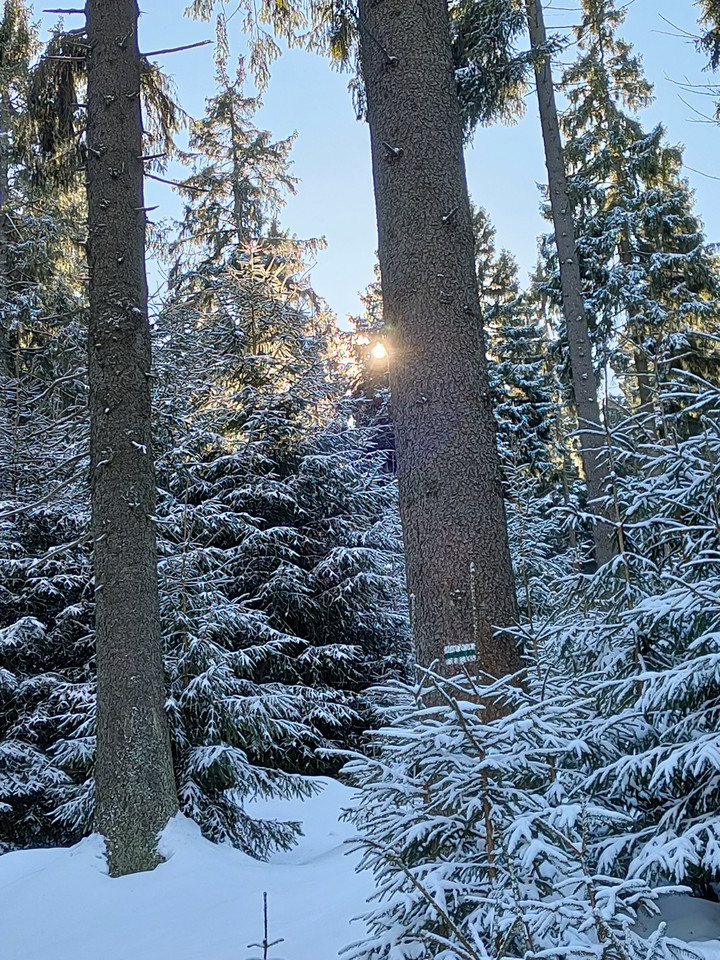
x=16 y=47
x=600 y=780
x=458 y=562
x=45 y=600
x=582 y=373
x=709 y=41
x=647 y=270
x=371 y=390
x=280 y=561
x=490 y=71
x=519 y=356
x=454 y=526
x=134 y=783
x=480 y=843
x=281 y=558
x=42 y=310
x=15 y=52
x=639 y=642
x=710 y=18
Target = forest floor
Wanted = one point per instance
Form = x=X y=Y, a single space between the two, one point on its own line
x=205 y=902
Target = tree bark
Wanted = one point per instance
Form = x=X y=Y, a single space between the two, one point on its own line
x=584 y=381
x=9 y=390
x=6 y=364
x=645 y=380
x=135 y=786
x=459 y=573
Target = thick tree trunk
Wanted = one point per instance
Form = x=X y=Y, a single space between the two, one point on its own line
x=135 y=786
x=584 y=382
x=459 y=572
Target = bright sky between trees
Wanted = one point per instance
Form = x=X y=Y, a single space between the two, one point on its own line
x=505 y=164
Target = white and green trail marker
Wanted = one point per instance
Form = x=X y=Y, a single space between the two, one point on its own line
x=460 y=653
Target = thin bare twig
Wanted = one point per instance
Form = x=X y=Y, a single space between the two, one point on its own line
x=187 y=46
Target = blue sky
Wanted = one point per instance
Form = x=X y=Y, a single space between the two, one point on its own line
x=505 y=164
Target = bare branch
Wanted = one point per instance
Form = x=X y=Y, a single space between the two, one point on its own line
x=177 y=183
x=188 y=46
x=702 y=173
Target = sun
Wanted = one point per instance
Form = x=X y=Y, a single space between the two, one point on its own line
x=379 y=351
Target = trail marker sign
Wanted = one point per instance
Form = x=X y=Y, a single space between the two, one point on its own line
x=460 y=653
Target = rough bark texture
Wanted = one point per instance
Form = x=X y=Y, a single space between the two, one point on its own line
x=135 y=786
x=9 y=394
x=584 y=382
x=5 y=352
x=459 y=572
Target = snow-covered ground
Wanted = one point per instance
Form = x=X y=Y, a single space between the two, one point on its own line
x=204 y=903
x=687 y=920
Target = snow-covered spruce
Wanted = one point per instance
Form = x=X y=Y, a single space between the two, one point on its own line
x=647 y=268
x=281 y=596
x=520 y=362
x=480 y=844
x=547 y=828
x=645 y=644
x=280 y=558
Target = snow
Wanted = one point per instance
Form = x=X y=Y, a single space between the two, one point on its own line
x=688 y=920
x=203 y=903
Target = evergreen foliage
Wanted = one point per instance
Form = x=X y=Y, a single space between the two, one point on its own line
x=281 y=569
x=710 y=41
x=479 y=846
x=521 y=370
x=45 y=593
x=371 y=390
x=282 y=552
x=648 y=644
x=551 y=826
x=281 y=563
x=541 y=813
x=650 y=275
x=492 y=74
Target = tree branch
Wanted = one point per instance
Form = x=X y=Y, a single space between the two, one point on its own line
x=177 y=183
x=188 y=46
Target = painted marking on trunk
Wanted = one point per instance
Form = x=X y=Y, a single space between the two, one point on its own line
x=460 y=653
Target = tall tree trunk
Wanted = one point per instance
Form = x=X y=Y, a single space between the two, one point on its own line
x=643 y=374
x=9 y=384
x=135 y=786
x=6 y=364
x=584 y=382
x=459 y=573
x=645 y=379
x=240 y=224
